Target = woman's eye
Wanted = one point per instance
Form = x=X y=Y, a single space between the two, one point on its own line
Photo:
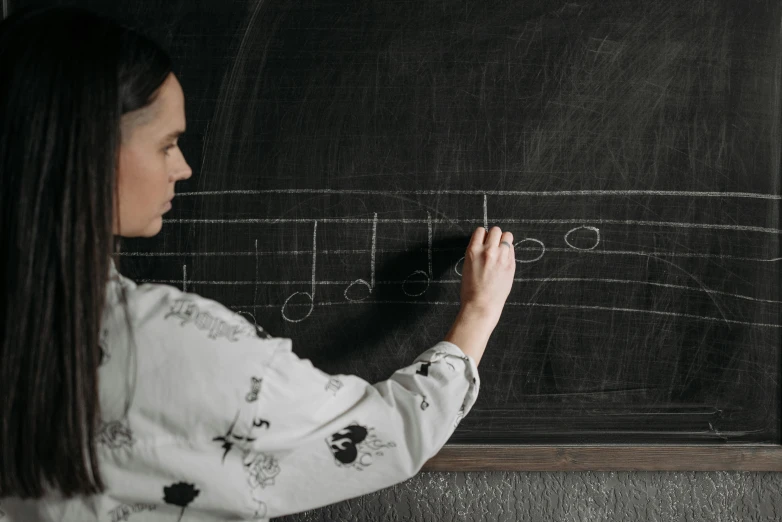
x=168 y=148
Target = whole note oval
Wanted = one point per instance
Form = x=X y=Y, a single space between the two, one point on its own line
x=357 y=291
x=457 y=267
x=529 y=253
x=583 y=238
x=250 y=317
x=295 y=311
x=416 y=283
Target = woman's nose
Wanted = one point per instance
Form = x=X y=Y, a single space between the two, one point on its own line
x=186 y=172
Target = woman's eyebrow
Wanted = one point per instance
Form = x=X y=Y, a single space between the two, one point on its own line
x=175 y=134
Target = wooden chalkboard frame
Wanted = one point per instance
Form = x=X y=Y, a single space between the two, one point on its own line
x=607 y=457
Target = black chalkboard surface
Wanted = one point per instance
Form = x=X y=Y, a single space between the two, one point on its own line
x=345 y=150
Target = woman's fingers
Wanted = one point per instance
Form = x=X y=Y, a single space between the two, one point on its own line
x=493 y=237
x=508 y=237
x=478 y=237
x=506 y=241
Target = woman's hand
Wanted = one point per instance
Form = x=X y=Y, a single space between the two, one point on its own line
x=487 y=277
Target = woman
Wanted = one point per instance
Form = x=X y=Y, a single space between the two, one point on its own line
x=126 y=402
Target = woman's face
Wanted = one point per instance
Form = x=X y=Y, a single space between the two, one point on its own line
x=150 y=162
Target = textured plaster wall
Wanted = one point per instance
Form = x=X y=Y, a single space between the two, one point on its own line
x=567 y=497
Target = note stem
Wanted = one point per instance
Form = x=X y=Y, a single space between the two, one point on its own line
x=374 y=248
x=371 y=285
x=429 y=243
x=311 y=294
x=314 y=257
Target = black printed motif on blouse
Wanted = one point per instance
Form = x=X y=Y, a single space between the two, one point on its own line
x=124 y=512
x=356 y=446
x=180 y=494
x=231 y=438
x=261 y=470
x=446 y=356
x=188 y=312
x=255 y=389
x=459 y=416
x=115 y=434
x=102 y=343
x=334 y=385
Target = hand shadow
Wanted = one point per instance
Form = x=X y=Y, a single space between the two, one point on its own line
x=379 y=318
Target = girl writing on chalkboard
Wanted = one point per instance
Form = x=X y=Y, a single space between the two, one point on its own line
x=145 y=403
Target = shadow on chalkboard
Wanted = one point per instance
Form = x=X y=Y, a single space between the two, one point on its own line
x=379 y=320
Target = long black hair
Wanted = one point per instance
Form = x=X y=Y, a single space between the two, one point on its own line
x=66 y=78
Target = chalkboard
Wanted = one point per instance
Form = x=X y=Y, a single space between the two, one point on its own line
x=345 y=150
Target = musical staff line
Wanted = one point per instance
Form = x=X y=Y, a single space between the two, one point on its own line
x=398 y=251
x=550 y=305
x=530 y=193
x=294 y=309
x=674 y=224
x=457 y=281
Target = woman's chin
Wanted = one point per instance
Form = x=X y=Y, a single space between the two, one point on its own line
x=152 y=229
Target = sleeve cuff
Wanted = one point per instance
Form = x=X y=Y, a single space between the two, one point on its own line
x=464 y=364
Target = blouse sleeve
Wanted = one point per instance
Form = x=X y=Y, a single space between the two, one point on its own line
x=339 y=437
x=227 y=422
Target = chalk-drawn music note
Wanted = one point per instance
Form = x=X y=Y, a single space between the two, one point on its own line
x=414 y=277
x=485 y=226
x=311 y=294
x=594 y=240
x=537 y=242
x=519 y=259
x=371 y=285
x=587 y=238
